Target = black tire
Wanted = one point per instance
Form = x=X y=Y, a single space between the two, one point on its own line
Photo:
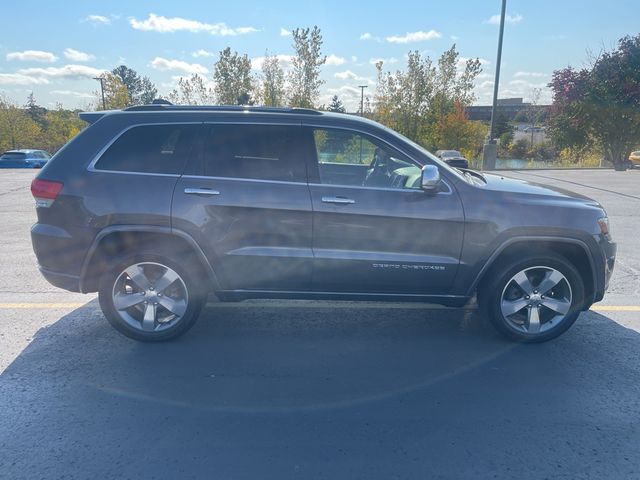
x=195 y=298
x=498 y=279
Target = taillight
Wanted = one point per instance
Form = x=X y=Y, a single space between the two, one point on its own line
x=45 y=191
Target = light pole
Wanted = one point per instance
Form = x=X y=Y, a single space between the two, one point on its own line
x=490 y=150
x=101 y=80
x=362 y=87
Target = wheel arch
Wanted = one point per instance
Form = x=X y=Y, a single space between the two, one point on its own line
x=116 y=240
x=574 y=250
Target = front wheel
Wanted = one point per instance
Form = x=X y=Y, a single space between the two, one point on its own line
x=534 y=299
x=150 y=298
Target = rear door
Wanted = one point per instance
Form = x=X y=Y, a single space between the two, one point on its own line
x=378 y=231
x=247 y=203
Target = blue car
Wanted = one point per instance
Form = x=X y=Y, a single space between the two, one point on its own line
x=25 y=158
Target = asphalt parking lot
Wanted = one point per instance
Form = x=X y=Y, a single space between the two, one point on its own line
x=271 y=389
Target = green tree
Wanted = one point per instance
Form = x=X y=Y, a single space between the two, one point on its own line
x=304 y=79
x=599 y=106
x=232 y=75
x=35 y=111
x=455 y=131
x=336 y=105
x=62 y=126
x=116 y=95
x=192 y=91
x=17 y=128
x=414 y=100
x=272 y=90
x=140 y=90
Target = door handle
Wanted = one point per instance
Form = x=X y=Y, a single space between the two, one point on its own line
x=200 y=191
x=338 y=200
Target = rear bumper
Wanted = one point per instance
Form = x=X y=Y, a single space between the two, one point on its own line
x=59 y=256
x=61 y=280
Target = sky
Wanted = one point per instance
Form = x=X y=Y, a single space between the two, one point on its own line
x=54 y=48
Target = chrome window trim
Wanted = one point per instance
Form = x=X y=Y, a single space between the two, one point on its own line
x=92 y=165
x=406 y=190
x=284 y=182
x=239 y=179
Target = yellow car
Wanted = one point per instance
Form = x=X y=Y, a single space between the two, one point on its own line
x=634 y=159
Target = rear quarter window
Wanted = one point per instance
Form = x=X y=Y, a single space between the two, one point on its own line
x=151 y=149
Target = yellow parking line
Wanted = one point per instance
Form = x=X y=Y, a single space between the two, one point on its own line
x=615 y=308
x=40 y=305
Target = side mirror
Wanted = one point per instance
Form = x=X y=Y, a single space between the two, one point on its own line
x=430 y=181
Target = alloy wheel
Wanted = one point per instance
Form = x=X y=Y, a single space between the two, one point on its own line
x=536 y=300
x=150 y=297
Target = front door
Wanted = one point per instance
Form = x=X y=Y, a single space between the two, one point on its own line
x=374 y=229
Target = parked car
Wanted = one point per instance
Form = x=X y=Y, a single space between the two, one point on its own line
x=533 y=130
x=453 y=158
x=634 y=159
x=25 y=158
x=156 y=207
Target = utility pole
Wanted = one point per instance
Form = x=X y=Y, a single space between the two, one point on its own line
x=101 y=80
x=490 y=150
x=362 y=87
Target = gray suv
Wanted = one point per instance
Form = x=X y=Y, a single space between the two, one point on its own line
x=156 y=207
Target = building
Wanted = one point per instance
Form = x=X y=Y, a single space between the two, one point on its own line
x=510 y=107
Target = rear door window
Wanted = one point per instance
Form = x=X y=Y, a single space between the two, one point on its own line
x=151 y=149
x=261 y=152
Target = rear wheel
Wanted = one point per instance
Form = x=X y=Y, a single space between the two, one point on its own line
x=534 y=299
x=150 y=298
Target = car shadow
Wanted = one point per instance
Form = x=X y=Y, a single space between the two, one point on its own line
x=321 y=390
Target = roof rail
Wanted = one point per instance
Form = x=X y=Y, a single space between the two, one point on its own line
x=154 y=107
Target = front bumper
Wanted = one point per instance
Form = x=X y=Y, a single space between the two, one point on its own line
x=608 y=249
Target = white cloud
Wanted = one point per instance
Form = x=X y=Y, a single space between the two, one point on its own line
x=511 y=19
x=158 y=23
x=21 y=79
x=368 y=36
x=98 y=19
x=71 y=93
x=164 y=64
x=347 y=74
x=202 y=53
x=68 y=71
x=78 y=56
x=285 y=61
x=373 y=61
x=345 y=90
x=454 y=38
x=354 y=58
x=419 y=36
x=530 y=74
x=284 y=32
x=32 y=56
x=527 y=84
x=335 y=60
